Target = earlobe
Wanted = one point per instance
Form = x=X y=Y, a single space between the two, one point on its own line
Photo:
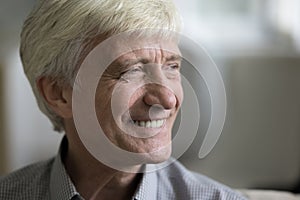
x=57 y=96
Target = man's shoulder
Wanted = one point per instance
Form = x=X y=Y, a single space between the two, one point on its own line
x=30 y=182
x=195 y=185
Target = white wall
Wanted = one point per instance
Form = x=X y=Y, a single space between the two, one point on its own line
x=259 y=146
x=30 y=137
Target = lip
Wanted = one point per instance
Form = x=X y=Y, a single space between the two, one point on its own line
x=146 y=132
x=146 y=116
x=133 y=117
x=153 y=123
x=148 y=119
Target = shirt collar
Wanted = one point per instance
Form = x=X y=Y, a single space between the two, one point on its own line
x=147 y=189
x=61 y=186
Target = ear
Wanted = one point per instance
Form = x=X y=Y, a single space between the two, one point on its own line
x=58 y=97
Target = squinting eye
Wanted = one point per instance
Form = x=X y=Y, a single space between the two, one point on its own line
x=133 y=73
x=172 y=70
x=172 y=67
x=136 y=69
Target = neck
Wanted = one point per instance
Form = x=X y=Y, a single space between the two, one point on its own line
x=94 y=180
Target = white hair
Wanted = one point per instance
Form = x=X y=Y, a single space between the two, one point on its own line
x=56 y=34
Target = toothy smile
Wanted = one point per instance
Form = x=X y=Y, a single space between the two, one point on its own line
x=150 y=123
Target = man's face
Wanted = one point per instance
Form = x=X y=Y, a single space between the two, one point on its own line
x=138 y=98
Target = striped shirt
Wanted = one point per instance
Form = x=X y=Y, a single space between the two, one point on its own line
x=49 y=181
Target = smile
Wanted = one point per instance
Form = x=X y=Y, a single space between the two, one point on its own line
x=150 y=123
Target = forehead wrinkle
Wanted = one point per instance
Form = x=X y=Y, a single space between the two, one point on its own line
x=126 y=59
x=154 y=55
x=159 y=55
x=145 y=56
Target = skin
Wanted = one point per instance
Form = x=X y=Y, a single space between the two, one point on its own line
x=153 y=83
x=141 y=85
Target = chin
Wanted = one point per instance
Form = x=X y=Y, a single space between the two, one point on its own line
x=158 y=156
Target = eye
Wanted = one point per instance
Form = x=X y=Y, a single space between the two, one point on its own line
x=132 y=73
x=172 y=70
x=135 y=69
x=172 y=67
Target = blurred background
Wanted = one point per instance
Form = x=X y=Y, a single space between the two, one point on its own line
x=255 y=44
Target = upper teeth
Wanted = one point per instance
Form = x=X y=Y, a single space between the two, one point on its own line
x=150 y=124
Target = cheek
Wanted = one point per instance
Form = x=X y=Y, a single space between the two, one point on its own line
x=123 y=97
x=103 y=99
x=178 y=91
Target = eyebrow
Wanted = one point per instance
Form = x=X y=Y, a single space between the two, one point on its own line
x=129 y=62
x=174 y=57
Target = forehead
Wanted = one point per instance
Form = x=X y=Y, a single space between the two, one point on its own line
x=150 y=54
x=125 y=46
x=148 y=48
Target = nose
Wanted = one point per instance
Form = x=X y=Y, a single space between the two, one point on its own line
x=161 y=95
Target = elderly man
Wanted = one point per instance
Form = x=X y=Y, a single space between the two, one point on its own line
x=122 y=56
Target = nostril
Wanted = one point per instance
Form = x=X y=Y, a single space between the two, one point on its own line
x=156 y=107
x=155 y=110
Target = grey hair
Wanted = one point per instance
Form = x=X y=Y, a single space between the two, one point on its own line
x=55 y=35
